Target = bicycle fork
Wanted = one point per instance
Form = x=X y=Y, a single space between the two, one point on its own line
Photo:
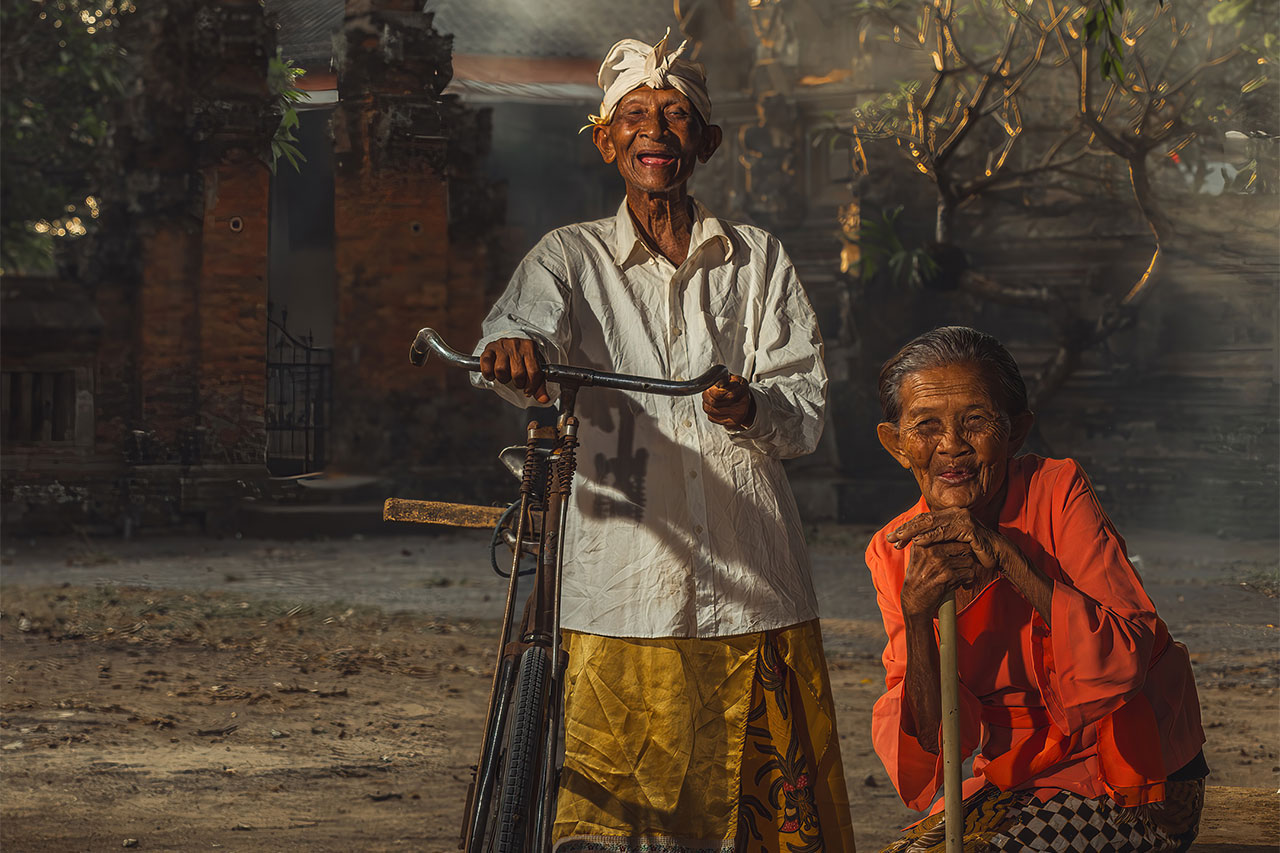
x=540 y=627
x=480 y=792
x=560 y=487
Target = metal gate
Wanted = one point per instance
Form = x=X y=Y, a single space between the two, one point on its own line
x=299 y=401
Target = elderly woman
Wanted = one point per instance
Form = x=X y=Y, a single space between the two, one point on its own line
x=1081 y=708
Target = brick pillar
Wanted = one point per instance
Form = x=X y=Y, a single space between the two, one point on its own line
x=187 y=398
x=234 y=125
x=232 y=298
x=151 y=253
x=391 y=224
x=188 y=294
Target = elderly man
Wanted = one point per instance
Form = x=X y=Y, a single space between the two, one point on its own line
x=698 y=714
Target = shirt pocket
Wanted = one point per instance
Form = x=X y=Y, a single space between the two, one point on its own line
x=726 y=334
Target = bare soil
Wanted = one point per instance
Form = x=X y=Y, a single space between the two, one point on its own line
x=212 y=705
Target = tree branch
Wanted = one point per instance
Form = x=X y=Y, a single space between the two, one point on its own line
x=1021 y=296
x=1004 y=180
x=966 y=121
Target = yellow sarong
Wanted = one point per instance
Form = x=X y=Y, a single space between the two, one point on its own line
x=717 y=745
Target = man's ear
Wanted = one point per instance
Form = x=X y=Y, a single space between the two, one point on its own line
x=604 y=142
x=712 y=136
x=891 y=440
x=1019 y=429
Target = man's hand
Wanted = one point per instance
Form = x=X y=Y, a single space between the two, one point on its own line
x=729 y=403
x=515 y=361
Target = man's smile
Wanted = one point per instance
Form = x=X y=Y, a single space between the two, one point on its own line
x=655 y=159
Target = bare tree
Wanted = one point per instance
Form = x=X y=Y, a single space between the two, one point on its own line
x=1009 y=98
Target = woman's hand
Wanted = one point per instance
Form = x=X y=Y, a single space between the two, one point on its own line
x=952 y=525
x=934 y=571
x=986 y=547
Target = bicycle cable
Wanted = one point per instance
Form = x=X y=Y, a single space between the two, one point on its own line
x=497 y=540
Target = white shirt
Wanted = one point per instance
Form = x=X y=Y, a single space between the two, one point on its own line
x=679 y=527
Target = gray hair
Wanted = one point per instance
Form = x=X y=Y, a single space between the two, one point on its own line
x=950 y=345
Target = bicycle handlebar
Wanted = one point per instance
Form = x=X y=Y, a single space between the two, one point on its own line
x=428 y=341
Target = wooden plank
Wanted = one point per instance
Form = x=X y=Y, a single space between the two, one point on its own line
x=438 y=512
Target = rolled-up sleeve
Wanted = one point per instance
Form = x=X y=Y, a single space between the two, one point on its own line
x=915 y=772
x=789 y=379
x=535 y=306
x=1096 y=654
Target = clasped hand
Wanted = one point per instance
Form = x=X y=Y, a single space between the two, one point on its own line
x=949 y=549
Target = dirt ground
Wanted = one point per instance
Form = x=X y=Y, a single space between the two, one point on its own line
x=188 y=694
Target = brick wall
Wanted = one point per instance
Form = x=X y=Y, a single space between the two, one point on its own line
x=165 y=331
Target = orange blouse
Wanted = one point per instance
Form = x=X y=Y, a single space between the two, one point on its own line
x=1102 y=703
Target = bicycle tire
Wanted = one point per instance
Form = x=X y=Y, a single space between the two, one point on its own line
x=515 y=810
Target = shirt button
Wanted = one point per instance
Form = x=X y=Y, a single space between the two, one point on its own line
x=697 y=528
x=693 y=475
x=688 y=423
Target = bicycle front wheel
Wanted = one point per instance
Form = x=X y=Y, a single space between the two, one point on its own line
x=520 y=778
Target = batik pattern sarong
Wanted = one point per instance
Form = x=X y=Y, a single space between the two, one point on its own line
x=724 y=745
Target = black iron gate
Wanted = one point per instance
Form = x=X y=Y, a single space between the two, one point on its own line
x=299 y=400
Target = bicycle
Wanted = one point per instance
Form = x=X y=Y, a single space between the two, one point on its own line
x=512 y=796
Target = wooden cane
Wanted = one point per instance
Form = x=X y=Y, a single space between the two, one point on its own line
x=953 y=799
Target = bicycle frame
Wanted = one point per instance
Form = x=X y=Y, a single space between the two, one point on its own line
x=545 y=510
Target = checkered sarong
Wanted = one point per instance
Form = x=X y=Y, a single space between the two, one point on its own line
x=1018 y=822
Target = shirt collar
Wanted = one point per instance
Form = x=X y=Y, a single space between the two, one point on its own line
x=706 y=228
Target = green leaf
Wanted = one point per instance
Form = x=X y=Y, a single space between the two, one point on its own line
x=1227 y=12
x=287 y=150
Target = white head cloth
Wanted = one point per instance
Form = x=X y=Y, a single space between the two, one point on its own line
x=631 y=64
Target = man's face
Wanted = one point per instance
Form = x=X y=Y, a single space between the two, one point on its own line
x=656 y=137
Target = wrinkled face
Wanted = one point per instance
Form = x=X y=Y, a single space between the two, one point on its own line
x=954 y=436
x=656 y=137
